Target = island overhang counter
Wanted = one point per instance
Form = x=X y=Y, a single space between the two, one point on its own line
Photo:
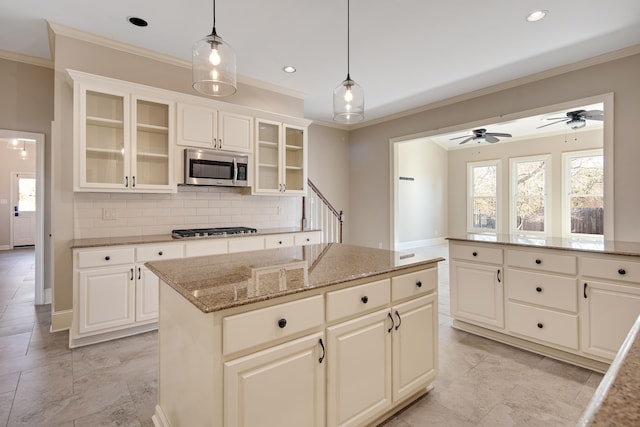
x=328 y=334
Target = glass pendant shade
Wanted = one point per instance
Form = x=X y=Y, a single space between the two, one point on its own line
x=214 y=66
x=348 y=102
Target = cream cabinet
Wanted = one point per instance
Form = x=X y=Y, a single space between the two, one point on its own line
x=476 y=280
x=205 y=127
x=280 y=158
x=123 y=140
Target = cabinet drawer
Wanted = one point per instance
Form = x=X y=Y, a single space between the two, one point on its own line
x=206 y=247
x=242 y=331
x=105 y=257
x=476 y=253
x=243 y=244
x=543 y=261
x=542 y=289
x=620 y=268
x=156 y=252
x=357 y=299
x=278 y=241
x=311 y=238
x=543 y=325
x=414 y=284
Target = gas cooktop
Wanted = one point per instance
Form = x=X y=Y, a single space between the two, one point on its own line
x=204 y=232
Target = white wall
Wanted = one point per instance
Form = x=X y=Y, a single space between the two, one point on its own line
x=421 y=203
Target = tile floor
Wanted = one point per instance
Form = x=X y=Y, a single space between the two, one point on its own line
x=43 y=383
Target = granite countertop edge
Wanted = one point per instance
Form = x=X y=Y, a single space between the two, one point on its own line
x=94 y=242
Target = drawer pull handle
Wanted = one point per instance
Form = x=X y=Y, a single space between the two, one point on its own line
x=323 y=351
x=584 y=290
x=399 y=320
x=107 y=258
x=364 y=299
x=392 y=322
x=132 y=274
x=419 y=284
x=622 y=272
x=139 y=273
x=538 y=261
x=308 y=239
x=474 y=253
x=540 y=325
x=282 y=323
x=126 y=181
x=160 y=253
x=538 y=289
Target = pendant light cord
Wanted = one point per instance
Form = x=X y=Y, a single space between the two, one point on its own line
x=213 y=31
x=348 y=38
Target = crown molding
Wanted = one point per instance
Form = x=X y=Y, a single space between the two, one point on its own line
x=26 y=59
x=74 y=33
x=552 y=72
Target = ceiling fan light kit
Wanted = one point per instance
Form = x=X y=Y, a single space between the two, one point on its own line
x=348 y=97
x=214 y=64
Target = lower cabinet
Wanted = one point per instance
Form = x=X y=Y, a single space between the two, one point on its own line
x=282 y=386
x=477 y=293
x=147 y=287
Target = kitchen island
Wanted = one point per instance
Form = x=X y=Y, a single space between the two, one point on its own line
x=318 y=335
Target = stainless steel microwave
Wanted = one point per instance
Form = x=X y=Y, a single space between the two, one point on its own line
x=208 y=167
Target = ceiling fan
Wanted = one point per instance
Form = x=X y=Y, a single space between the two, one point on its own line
x=480 y=135
x=577 y=119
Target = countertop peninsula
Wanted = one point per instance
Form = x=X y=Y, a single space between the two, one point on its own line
x=217 y=282
x=612 y=247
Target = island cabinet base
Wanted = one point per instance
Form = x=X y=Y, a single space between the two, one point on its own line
x=277 y=362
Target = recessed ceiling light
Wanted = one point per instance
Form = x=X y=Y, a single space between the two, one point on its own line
x=289 y=69
x=537 y=15
x=138 y=22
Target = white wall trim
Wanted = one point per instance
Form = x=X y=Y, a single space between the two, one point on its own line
x=5 y=248
x=61 y=320
x=48 y=296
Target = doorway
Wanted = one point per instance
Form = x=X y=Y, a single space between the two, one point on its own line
x=30 y=209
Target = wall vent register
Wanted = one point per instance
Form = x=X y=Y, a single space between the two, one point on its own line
x=205 y=232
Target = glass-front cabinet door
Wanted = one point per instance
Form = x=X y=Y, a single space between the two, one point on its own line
x=294 y=159
x=267 y=171
x=104 y=139
x=151 y=143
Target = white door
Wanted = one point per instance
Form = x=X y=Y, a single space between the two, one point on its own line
x=24 y=209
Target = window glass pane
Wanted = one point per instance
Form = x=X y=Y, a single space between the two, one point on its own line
x=530 y=195
x=586 y=197
x=26 y=195
x=484 y=197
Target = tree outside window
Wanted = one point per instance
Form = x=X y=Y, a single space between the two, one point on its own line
x=585 y=181
x=483 y=196
x=530 y=195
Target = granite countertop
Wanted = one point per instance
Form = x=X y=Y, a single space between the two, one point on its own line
x=161 y=238
x=615 y=402
x=217 y=282
x=574 y=244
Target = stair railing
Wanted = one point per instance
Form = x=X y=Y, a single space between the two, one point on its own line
x=319 y=214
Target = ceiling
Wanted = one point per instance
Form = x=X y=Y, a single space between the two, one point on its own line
x=404 y=53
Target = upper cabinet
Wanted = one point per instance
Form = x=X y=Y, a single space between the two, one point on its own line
x=122 y=141
x=214 y=129
x=280 y=158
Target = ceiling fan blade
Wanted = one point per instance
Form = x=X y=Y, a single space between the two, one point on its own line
x=466 y=140
x=458 y=137
x=599 y=117
x=490 y=138
x=552 y=123
x=506 y=135
x=556 y=118
x=593 y=113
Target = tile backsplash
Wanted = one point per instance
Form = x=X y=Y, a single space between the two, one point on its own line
x=134 y=214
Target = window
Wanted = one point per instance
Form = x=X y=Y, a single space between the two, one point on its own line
x=482 y=190
x=583 y=202
x=26 y=194
x=529 y=204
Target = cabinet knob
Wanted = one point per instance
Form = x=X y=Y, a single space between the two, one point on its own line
x=107 y=258
x=160 y=253
x=419 y=283
x=282 y=323
x=474 y=253
x=538 y=289
x=308 y=239
x=540 y=325
x=364 y=299
x=538 y=261
x=622 y=272
x=279 y=242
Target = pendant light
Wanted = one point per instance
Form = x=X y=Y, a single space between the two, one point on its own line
x=348 y=97
x=214 y=64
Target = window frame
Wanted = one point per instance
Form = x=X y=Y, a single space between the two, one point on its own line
x=513 y=194
x=567 y=156
x=470 y=196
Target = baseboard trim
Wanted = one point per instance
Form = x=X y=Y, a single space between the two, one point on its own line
x=61 y=320
x=75 y=341
x=551 y=352
x=47 y=296
x=6 y=247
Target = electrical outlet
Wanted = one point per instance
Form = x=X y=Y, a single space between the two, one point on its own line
x=109 y=214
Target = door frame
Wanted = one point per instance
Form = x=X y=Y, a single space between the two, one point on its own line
x=39 y=139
